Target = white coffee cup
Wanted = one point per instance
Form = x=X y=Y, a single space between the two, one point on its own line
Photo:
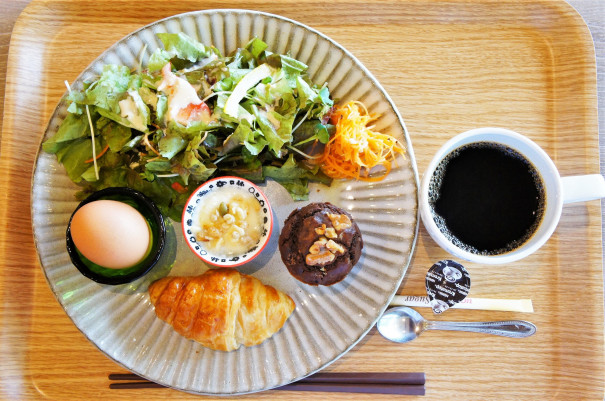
x=559 y=191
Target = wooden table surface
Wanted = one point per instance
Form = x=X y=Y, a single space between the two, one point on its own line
x=545 y=87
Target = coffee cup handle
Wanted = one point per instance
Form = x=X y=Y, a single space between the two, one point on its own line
x=581 y=188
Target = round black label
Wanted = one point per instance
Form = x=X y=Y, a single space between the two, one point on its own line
x=447 y=283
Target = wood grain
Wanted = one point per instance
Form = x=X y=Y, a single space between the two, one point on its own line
x=449 y=66
x=9 y=10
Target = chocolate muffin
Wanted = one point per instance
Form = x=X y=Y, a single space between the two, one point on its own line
x=320 y=243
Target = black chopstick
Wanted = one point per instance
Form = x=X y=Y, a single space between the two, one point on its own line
x=411 y=383
x=366 y=377
x=134 y=385
x=125 y=376
x=369 y=388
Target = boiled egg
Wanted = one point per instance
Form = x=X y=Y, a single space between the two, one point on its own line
x=110 y=233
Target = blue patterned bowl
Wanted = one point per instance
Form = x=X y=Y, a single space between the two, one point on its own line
x=191 y=211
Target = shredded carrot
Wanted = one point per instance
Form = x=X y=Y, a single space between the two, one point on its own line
x=178 y=187
x=355 y=148
x=149 y=145
x=99 y=155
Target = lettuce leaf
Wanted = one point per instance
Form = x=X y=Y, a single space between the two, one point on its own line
x=244 y=135
x=170 y=145
x=294 y=177
x=110 y=88
x=292 y=69
x=73 y=157
x=147 y=152
x=116 y=135
x=256 y=47
x=177 y=45
x=73 y=127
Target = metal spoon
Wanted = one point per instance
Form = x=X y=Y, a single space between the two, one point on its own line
x=403 y=324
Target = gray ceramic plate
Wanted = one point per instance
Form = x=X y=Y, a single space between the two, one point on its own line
x=328 y=321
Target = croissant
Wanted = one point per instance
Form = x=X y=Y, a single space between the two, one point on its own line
x=221 y=309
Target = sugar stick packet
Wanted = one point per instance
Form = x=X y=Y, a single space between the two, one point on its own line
x=509 y=305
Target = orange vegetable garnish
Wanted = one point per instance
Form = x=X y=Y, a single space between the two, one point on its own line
x=99 y=155
x=178 y=187
x=193 y=112
x=356 y=148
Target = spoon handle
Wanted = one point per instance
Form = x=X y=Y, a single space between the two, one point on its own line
x=508 y=328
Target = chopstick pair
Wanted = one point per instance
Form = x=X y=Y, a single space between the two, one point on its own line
x=411 y=383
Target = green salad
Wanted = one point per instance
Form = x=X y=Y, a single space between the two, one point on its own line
x=193 y=114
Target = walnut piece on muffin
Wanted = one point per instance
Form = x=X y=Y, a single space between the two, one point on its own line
x=320 y=243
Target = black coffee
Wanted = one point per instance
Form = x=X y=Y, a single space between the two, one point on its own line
x=487 y=198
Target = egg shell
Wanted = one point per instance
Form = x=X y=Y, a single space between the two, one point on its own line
x=110 y=233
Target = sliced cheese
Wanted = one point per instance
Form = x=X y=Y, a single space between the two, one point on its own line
x=243 y=86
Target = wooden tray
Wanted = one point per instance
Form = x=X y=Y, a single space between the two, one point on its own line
x=449 y=66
